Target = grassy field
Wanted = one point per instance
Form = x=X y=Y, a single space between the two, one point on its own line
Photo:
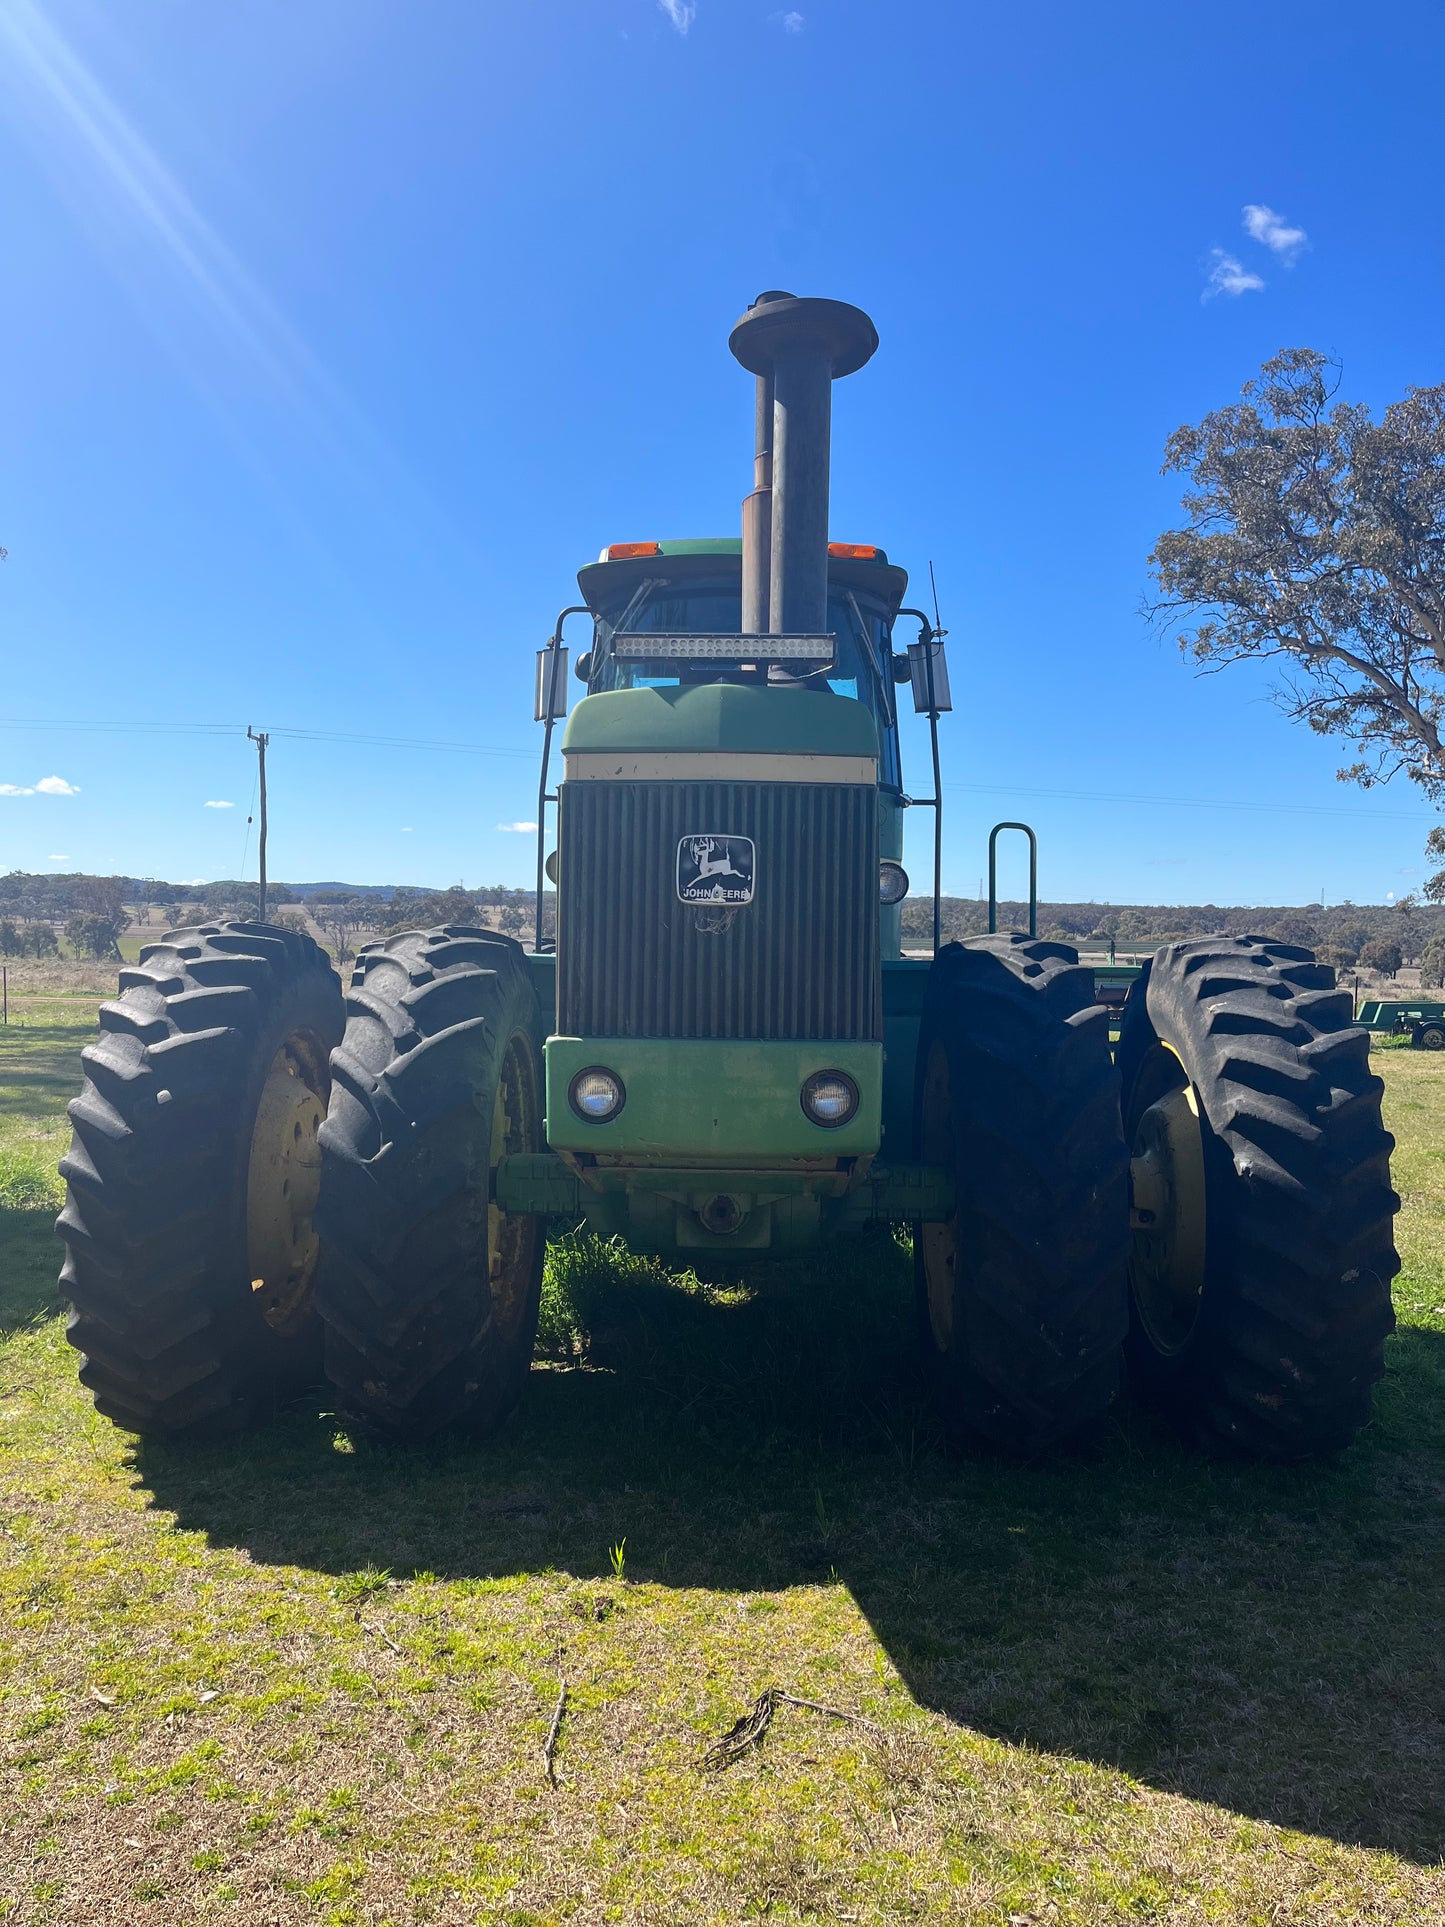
x=304 y=1679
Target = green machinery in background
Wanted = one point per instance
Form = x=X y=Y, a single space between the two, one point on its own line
x=1422 y=1020
x=722 y=1052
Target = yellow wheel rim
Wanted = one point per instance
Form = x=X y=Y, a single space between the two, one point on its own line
x=283 y=1182
x=1167 y=1218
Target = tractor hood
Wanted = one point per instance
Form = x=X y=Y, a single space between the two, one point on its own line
x=722 y=716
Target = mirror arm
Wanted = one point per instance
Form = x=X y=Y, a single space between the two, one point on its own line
x=554 y=641
x=929 y=633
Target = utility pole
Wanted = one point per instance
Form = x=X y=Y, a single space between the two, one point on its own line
x=261 y=742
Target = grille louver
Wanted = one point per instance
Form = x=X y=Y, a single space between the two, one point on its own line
x=800 y=961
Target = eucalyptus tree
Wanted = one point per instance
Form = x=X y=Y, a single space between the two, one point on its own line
x=1315 y=539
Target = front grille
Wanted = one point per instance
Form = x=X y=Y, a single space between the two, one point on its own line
x=799 y=961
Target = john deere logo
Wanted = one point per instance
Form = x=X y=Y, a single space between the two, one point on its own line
x=715 y=869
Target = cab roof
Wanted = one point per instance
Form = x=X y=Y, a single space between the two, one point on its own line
x=613 y=579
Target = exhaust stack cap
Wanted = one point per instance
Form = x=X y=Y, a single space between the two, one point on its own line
x=777 y=321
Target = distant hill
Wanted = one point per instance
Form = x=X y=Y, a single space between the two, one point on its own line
x=303 y=892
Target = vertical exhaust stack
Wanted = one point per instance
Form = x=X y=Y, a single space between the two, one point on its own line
x=758 y=515
x=797 y=347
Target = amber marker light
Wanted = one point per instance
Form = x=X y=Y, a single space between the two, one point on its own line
x=630 y=551
x=854 y=551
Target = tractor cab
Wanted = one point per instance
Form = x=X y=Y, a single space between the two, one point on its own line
x=680 y=589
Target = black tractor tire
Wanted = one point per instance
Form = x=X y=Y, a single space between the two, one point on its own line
x=212 y=1027
x=428 y=1293
x=1022 y=1299
x=1293 y=1302
x=1429 y=1037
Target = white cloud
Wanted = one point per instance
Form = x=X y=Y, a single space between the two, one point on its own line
x=60 y=857
x=1271 y=230
x=519 y=829
x=47 y=786
x=681 y=13
x=1228 y=276
x=407 y=830
x=219 y=806
x=789 y=22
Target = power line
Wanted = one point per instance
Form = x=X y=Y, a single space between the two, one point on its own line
x=295 y=734
x=1188 y=802
x=239 y=730
x=400 y=742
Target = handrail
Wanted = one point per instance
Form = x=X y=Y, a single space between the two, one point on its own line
x=993 y=836
x=928 y=634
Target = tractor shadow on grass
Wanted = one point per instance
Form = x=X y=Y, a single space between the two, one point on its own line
x=40 y=1067
x=30 y=1257
x=1266 y=1640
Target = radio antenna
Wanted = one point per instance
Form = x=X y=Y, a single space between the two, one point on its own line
x=933 y=584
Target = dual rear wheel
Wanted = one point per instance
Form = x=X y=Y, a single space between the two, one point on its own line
x=264 y=1182
x=1263 y=1245
x=1213 y=1211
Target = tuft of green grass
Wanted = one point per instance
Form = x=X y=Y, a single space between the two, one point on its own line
x=29 y=1180
x=352 y=1586
x=583 y=1274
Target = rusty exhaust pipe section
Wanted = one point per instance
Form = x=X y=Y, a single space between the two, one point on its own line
x=797 y=347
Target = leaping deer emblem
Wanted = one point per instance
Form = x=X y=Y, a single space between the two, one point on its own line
x=709 y=864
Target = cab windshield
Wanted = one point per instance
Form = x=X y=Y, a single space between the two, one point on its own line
x=858 y=666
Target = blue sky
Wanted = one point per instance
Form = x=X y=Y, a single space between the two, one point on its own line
x=336 y=336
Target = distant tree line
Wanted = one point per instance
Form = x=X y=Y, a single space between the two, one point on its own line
x=346 y=917
x=1379 y=937
x=85 y=916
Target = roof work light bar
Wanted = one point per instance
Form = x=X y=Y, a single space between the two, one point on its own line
x=639 y=647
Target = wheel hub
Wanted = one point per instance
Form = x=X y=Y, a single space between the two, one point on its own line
x=1167 y=1218
x=283 y=1182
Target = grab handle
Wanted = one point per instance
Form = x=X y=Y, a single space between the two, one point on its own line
x=993 y=876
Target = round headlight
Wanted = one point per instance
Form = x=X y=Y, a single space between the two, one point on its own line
x=892 y=881
x=830 y=1098
x=596 y=1095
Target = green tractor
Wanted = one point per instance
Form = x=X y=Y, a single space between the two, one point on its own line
x=722 y=1052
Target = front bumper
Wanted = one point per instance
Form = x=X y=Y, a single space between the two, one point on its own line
x=705 y=1099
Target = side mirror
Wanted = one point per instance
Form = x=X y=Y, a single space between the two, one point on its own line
x=583 y=671
x=551 y=697
x=927 y=666
x=902 y=668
